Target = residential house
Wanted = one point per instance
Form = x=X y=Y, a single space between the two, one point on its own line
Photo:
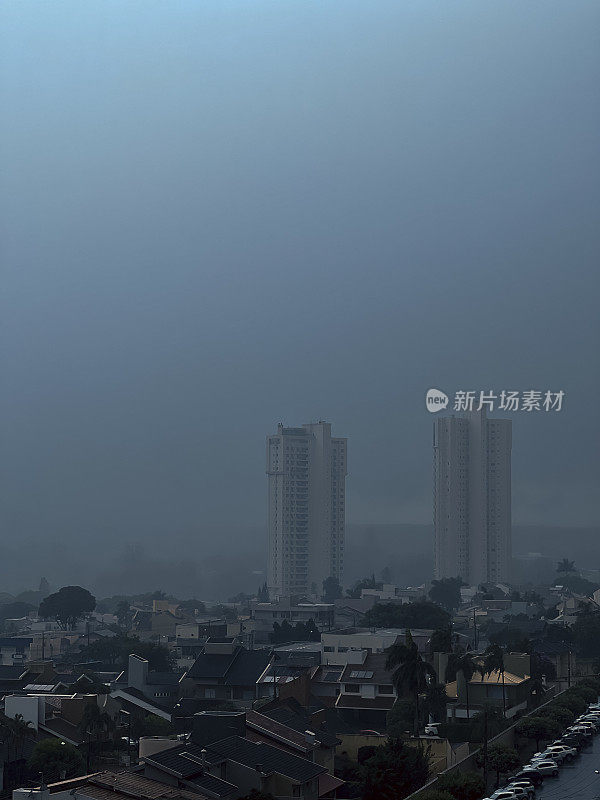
x=225 y=671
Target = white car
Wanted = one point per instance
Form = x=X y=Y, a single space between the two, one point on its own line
x=508 y=794
x=586 y=723
x=553 y=755
x=586 y=730
x=570 y=752
x=546 y=766
x=526 y=786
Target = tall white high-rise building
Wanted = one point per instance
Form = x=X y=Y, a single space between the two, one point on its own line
x=472 y=498
x=306 y=470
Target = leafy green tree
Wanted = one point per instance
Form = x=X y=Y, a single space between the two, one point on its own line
x=538 y=728
x=446 y=593
x=55 y=760
x=573 y=702
x=394 y=771
x=502 y=759
x=150 y=725
x=123 y=612
x=400 y=718
x=462 y=785
x=115 y=652
x=410 y=673
x=562 y=715
x=441 y=641
x=67 y=605
x=366 y=583
x=465 y=664
x=331 y=589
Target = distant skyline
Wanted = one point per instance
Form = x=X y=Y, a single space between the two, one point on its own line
x=218 y=216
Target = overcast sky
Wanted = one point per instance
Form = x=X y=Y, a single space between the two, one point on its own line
x=219 y=215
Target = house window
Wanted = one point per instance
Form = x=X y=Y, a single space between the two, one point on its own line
x=352 y=688
x=385 y=688
x=210 y=694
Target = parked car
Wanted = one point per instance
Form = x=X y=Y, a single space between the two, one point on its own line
x=432 y=729
x=576 y=740
x=595 y=720
x=557 y=756
x=563 y=752
x=586 y=730
x=528 y=774
x=570 y=751
x=546 y=766
x=526 y=786
x=509 y=794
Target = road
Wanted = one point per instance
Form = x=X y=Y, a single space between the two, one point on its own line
x=577 y=780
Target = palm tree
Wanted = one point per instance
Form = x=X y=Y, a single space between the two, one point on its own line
x=565 y=566
x=18 y=732
x=94 y=722
x=464 y=663
x=493 y=660
x=411 y=674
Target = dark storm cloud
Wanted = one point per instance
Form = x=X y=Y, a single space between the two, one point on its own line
x=218 y=215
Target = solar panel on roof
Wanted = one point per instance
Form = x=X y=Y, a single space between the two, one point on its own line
x=361 y=674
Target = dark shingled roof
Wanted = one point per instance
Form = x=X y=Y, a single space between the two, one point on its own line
x=9 y=672
x=241 y=668
x=248 y=667
x=271 y=759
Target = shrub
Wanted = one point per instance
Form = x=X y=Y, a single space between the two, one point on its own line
x=462 y=785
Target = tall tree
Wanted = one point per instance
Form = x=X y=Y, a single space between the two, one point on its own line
x=411 y=674
x=565 y=566
x=465 y=664
x=493 y=660
x=446 y=593
x=67 y=605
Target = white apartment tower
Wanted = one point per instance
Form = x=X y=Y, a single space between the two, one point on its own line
x=306 y=471
x=472 y=498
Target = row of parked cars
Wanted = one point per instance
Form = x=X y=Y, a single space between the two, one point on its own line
x=523 y=785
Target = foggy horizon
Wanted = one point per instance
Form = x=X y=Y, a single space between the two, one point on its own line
x=219 y=216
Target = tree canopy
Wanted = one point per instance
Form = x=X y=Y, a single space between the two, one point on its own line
x=394 y=771
x=115 y=652
x=55 y=760
x=67 y=605
x=538 y=729
x=502 y=759
x=446 y=593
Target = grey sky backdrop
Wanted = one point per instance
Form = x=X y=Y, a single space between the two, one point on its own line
x=218 y=215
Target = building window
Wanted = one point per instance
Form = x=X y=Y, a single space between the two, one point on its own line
x=352 y=688
x=211 y=694
x=385 y=688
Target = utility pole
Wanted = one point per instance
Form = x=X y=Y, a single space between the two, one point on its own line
x=474 y=629
x=485 y=747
